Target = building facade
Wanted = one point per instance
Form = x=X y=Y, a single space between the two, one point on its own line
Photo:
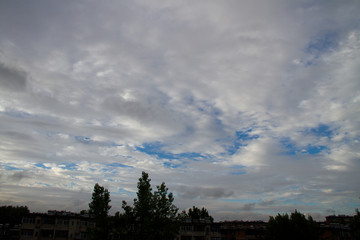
x=55 y=225
x=200 y=229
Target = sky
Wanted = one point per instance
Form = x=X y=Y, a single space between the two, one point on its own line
x=247 y=108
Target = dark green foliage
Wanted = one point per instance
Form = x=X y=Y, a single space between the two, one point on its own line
x=143 y=205
x=153 y=215
x=123 y=226
x=196 y=213
x=99 y=208
x=164 y=214
x=12 y=215
x=295 y=227
x=84 y=212
x=355 y=226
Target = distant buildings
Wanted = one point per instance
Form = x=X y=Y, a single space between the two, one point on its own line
x=336 y=227
x=9 y=231
x=229 y=230
x=64 y=225
x=199 y=229
x=240 y=230
x=55 y=225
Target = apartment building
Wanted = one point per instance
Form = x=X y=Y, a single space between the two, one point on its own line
x=242 y=230
x=200 y=229
x=60 y=225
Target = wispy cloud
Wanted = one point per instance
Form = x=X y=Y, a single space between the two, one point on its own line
x=245 y=108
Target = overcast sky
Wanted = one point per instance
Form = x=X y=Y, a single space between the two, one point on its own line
x=247 y=108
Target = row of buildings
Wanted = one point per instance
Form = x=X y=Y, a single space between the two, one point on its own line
x=64 y=225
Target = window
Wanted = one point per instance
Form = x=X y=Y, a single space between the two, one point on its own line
x=199 y=228
x=186 y=237
x=186 y=228
x=48 y=220
x=27 y=232
x=61 y=234
x=29 y=220
x=46 y=233
x=81 y=235
x=199 y=238
x=63 y=221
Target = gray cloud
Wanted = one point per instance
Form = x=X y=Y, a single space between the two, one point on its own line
x=235 y=90
x=248 y=206
x=12 y=78
x=195 y=192
x=251 y=206
x=266 y=203
x=18 y=176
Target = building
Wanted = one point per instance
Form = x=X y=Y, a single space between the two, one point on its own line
x=336 y=228
x=242 y=230
x=9 y=232
x=199 y=229
x=55 y=225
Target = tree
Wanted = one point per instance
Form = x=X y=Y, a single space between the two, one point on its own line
x=164 y=215
x=12 y=215
x=153 y=213
x=355 y=225
x=295 y=227
x=99 y=208
x=196 y=213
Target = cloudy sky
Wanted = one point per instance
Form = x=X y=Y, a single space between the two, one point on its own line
x=248 y=108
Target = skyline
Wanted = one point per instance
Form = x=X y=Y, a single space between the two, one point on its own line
x=247 y=108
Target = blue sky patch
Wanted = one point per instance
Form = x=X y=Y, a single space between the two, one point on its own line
x=122 y=191
x=12 y=168
x=68 y=166
x=315 y=149
x=154 y=149
x=172 y=165
x=299 y=202
x=82 y=139
x=290 y=148
x=237 y=170
x=323 y=43
x=242 y=138
x=17 y=114
x=245 y=135
x=41 y=165
x=237 y=173
x=322 y=130
x=119 y=165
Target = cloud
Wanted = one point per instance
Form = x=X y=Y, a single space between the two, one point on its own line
x=12 y=79
x=238 y=107
x=248 y=206
x=17 y=176
x=199 y=192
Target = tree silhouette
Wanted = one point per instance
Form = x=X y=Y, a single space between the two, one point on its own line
x=296 y=227
x=196 y=213
x=99 y=208
x=153 y=213
x=12 y=215
x=355 y=225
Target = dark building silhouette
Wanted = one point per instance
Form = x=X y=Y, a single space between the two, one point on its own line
x=55 y=225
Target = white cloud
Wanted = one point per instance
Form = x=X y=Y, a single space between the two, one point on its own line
x=88 y=85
